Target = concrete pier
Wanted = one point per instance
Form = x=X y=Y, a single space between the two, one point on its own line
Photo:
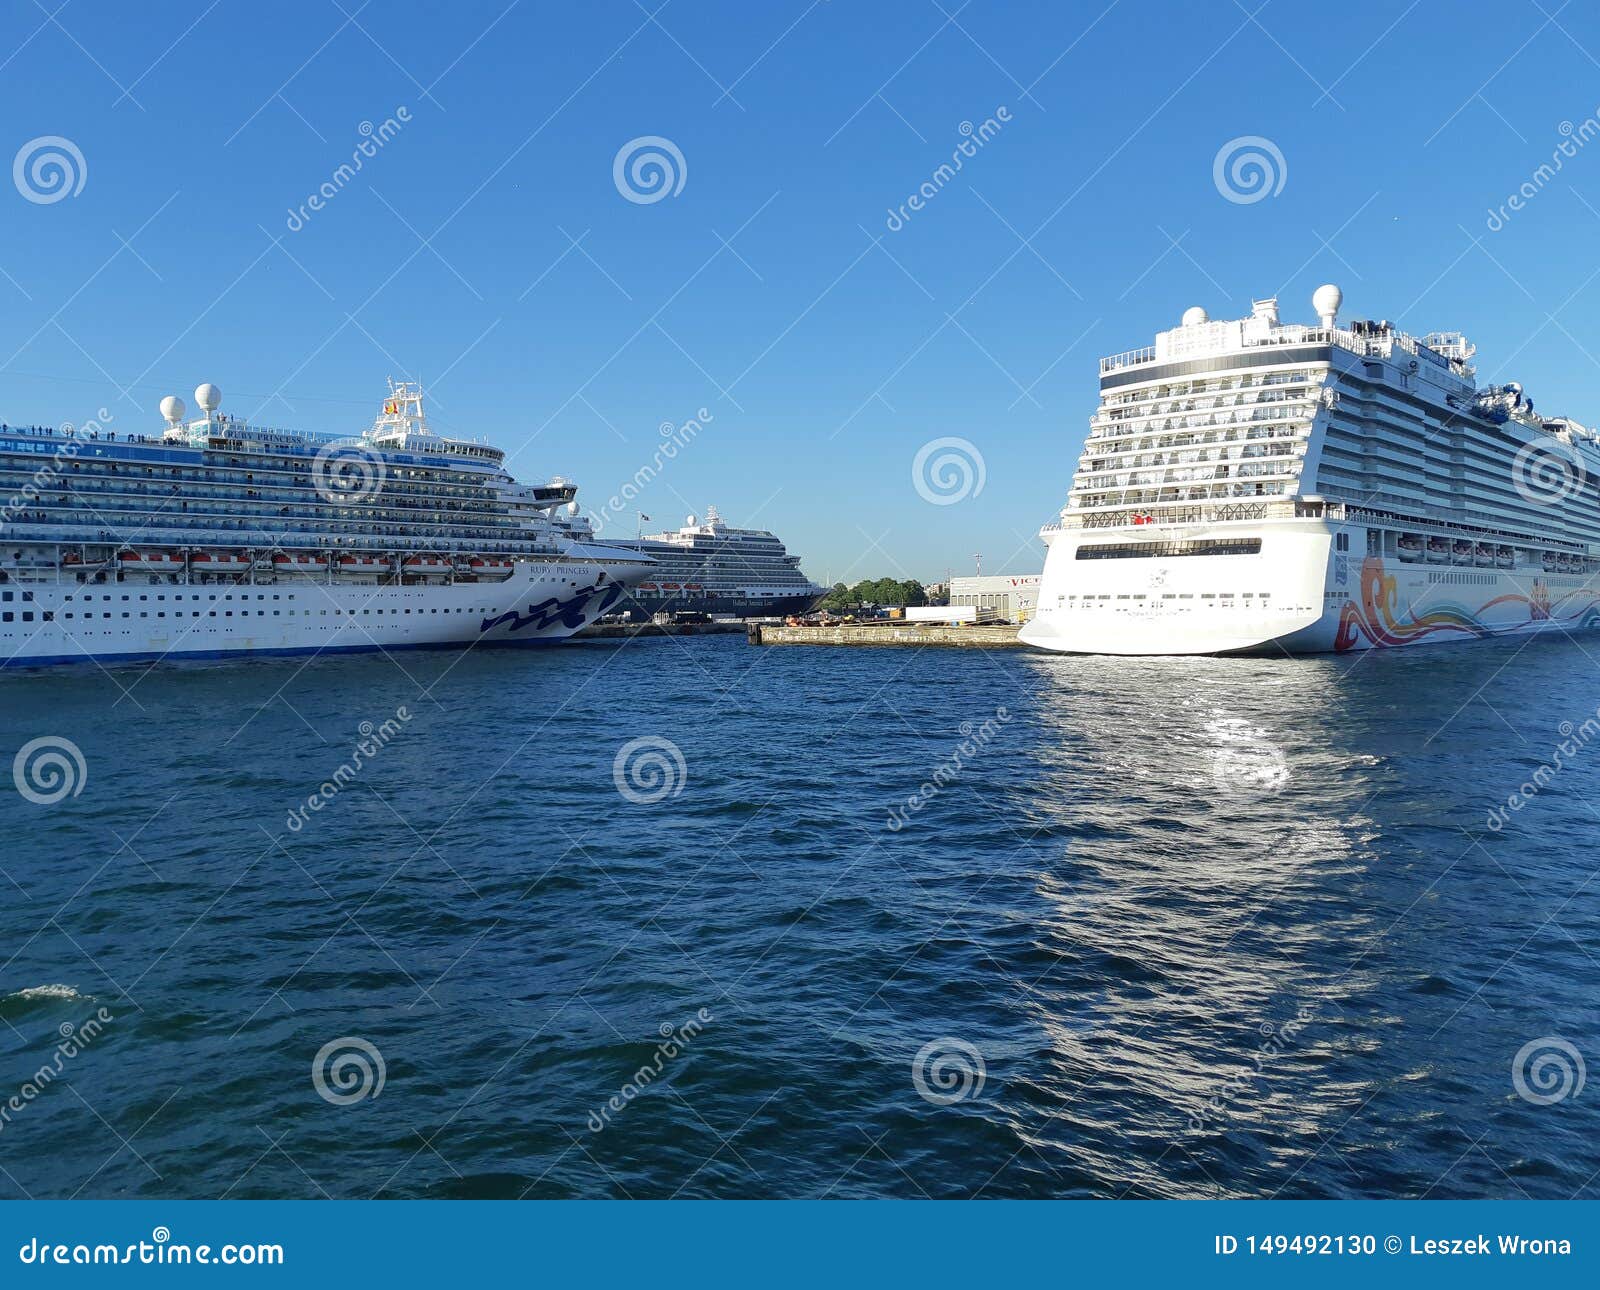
x=890 y=633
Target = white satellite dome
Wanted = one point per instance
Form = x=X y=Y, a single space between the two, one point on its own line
x=690 y=521
x=208 y=396
x=572 y=508
x=1326 y=300
x=1194 y=316
x=172 y=409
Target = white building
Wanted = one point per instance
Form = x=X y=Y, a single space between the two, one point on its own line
x=1012 y=596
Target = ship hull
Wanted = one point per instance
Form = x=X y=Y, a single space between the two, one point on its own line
x=1308 y=589
x=644 y=605
x=144 y=618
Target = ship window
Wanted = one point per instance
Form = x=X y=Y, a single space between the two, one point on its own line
x=9 y=616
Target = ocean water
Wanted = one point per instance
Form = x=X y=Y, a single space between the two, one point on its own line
x=688 y=918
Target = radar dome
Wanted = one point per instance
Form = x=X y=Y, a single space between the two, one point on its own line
x=1194 y=316
x=208 y=396
x=1326 y=300
x=172 y=409
x=572 y=508
x=690 y=521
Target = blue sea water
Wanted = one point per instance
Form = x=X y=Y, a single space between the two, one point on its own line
x=688 y=918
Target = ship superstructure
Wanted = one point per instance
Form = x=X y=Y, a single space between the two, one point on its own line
x=708 y=566
x=218 y=537
x=1252 y=484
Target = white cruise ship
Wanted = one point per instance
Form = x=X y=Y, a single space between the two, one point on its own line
x=215 y=537
x=1254 y=485
x=709 y=567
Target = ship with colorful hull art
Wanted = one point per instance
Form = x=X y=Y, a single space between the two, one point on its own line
x=1257 y=486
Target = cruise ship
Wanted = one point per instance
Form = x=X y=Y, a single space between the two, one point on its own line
x=708 y=567
x=214 y=537
x=1256 y=485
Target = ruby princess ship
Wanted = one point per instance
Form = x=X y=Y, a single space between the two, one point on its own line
x=219 y=538
x=1258 y=486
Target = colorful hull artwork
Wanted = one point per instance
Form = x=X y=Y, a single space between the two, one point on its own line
x=1372 y=620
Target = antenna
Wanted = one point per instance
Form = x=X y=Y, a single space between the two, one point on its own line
x=979 y=559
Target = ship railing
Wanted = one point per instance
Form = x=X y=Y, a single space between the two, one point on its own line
x=1129 y=359
x=68 y=536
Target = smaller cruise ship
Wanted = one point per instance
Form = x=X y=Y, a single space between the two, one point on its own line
x=709 y=567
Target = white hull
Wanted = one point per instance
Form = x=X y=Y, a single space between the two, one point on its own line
x=146 y=616
x=1300 y=593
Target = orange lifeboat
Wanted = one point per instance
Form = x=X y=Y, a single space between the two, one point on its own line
x=283 y=562
x=425 y=565
x=490 y=566
x=150 y=561
x=219 y=562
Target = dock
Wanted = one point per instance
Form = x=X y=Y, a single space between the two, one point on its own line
x=626 y=631
x=887 y=633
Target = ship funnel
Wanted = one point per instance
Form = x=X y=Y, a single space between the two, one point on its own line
x=1326 y=300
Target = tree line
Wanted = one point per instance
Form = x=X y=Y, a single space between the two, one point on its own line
x=880 y=592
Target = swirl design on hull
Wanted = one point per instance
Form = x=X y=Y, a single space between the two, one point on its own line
x=570 y=612
x=1374 y=616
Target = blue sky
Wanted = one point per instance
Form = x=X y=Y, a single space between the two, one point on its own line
x=769 y=290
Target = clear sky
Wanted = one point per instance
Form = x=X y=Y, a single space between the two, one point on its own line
x=487 y=248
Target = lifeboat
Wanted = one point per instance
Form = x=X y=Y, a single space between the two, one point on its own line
x=1484 y=555
x=1506 y=557
x=283 y=562
x=219 y=562
x=1563 y=564
x=1410 y=547
x=1438 y=550
x=693 y=586
x=490 y=566
x=150 y=561
x=363 y=564
x=1462 y=551
x=648 y=586
x=1549 y=560
x=426 y=565
x=670 y=586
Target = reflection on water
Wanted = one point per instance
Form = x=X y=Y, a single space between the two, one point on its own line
x=1172 y=927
